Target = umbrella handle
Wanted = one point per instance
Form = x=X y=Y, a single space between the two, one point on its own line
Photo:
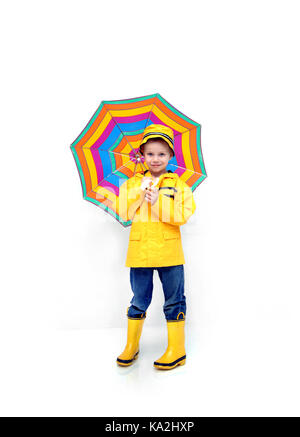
x=139 y=162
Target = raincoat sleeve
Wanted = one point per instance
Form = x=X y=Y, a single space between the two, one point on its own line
x=175 y=211
x=130 y=199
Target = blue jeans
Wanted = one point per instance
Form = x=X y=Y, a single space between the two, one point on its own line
x=172 y=279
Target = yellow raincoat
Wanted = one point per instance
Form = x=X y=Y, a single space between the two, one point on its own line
x=155 y=238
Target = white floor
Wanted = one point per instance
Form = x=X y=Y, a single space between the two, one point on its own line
x=238 y=371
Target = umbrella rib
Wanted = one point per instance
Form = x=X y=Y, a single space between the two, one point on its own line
x=126 y=154
x=150 y=112
x=120 y=130
x=187 y=130
x=113 y=172
x=190 y=119
x=126 y=136
x=117 y=153
x=123 y=132
x=186 y=169
x=135 y=167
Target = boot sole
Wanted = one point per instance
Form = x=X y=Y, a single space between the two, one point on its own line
x=169 y=366
x=126 y=363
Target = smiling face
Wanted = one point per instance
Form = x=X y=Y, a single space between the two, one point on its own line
x=157 y=154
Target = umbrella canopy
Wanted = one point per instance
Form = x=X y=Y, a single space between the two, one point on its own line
x=107 y=150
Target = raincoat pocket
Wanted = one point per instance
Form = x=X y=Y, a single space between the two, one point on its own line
x=170 y=235
x=135 y=236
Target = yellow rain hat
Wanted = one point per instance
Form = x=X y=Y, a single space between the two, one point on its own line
x=158 y=131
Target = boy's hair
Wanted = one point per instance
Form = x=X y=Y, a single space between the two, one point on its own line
x=152 y=140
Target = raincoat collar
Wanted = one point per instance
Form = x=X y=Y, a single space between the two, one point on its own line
x=167 y=174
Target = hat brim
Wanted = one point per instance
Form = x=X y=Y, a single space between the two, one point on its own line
x=144 y=141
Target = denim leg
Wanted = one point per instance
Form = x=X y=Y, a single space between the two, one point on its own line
x=141 y=280
x=172 y=279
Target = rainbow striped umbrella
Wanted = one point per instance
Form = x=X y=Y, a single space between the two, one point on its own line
x=106 y=151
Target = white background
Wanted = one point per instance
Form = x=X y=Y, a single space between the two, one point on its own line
x=232 y=66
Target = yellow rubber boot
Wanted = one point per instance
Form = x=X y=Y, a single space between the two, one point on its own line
x=175 y=353
x=131 y=350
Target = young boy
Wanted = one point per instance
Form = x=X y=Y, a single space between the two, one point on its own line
x=158 y=202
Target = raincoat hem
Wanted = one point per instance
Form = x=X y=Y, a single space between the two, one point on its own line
x=169 y=262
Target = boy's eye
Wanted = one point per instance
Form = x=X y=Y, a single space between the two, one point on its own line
x=149 y=153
